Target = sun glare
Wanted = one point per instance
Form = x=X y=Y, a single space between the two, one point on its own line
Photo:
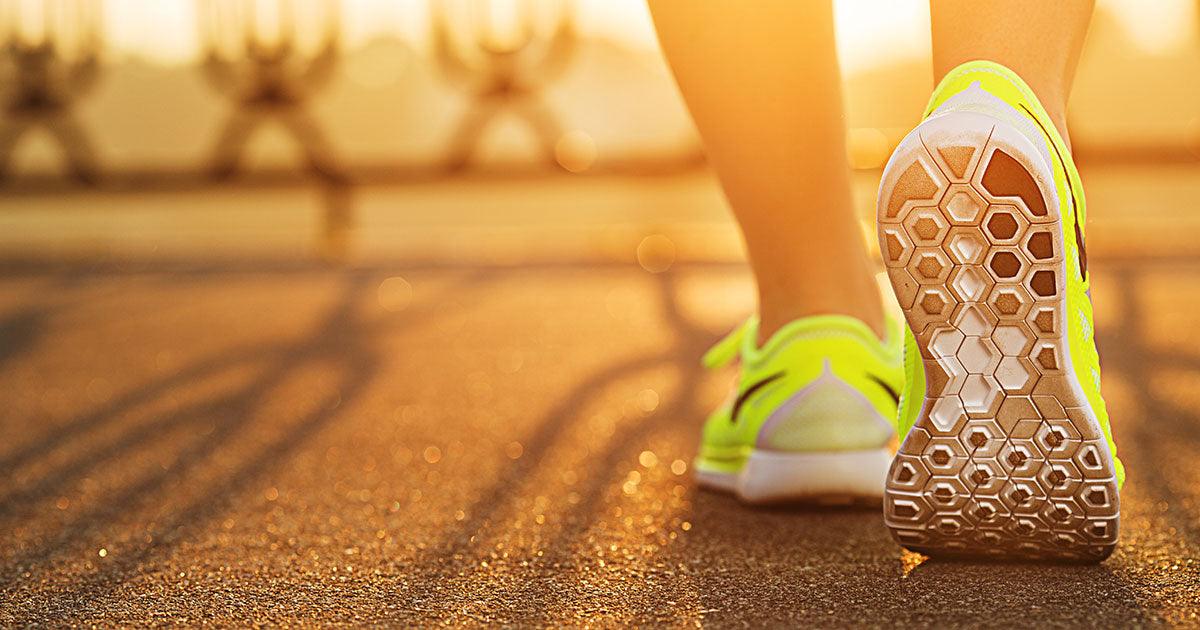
x=164 y=31
x=1155 y=27
x=870 y=33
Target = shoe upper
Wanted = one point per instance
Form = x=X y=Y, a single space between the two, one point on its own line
x=997 y=91
x=820 y=384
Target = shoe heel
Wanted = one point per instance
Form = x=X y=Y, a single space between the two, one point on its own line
x=1006 y=458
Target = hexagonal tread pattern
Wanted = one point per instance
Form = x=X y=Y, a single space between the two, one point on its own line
x=1006 y=459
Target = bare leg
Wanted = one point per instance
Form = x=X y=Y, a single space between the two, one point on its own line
x=1038 y=40
x=761 y=80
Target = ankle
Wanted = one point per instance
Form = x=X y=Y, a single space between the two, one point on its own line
x=1056 y=108
x=1053 y=98
x=1059 y=118
x=775 y=313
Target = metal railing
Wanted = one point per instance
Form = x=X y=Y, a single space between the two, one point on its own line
x=502 y=57
x=50 y=61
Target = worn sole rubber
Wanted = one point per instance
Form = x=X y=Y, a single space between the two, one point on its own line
x=1006 y=458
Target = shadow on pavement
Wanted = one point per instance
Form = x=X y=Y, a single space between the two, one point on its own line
x=737 y=565
x=341 y=342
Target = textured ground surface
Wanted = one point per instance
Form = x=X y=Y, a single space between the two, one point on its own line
x=253 y=442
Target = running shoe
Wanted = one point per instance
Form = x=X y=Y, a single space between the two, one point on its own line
x=812 y=416
x=1008 y=450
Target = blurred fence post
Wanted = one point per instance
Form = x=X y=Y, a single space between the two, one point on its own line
x=259 y=66
x=49 y=55
x=267 y=78
x=506 y=61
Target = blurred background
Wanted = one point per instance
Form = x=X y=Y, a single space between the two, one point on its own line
x=391 y=311
x=460 y=128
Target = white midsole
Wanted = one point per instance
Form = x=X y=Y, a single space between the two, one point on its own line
x=772 y=476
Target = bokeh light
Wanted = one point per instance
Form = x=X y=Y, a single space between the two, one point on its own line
x=395 y=294
x=575 y=151
x=656 y=253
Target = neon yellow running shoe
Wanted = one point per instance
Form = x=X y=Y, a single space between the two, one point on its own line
x=1008 y=450
x=812 y=416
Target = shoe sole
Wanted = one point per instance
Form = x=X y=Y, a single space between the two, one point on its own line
x=823 y=478
x=1006 y=458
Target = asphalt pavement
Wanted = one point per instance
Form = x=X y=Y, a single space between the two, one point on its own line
x=248 y=442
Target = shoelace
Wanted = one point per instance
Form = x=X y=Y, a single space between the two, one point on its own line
x=729 y=347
